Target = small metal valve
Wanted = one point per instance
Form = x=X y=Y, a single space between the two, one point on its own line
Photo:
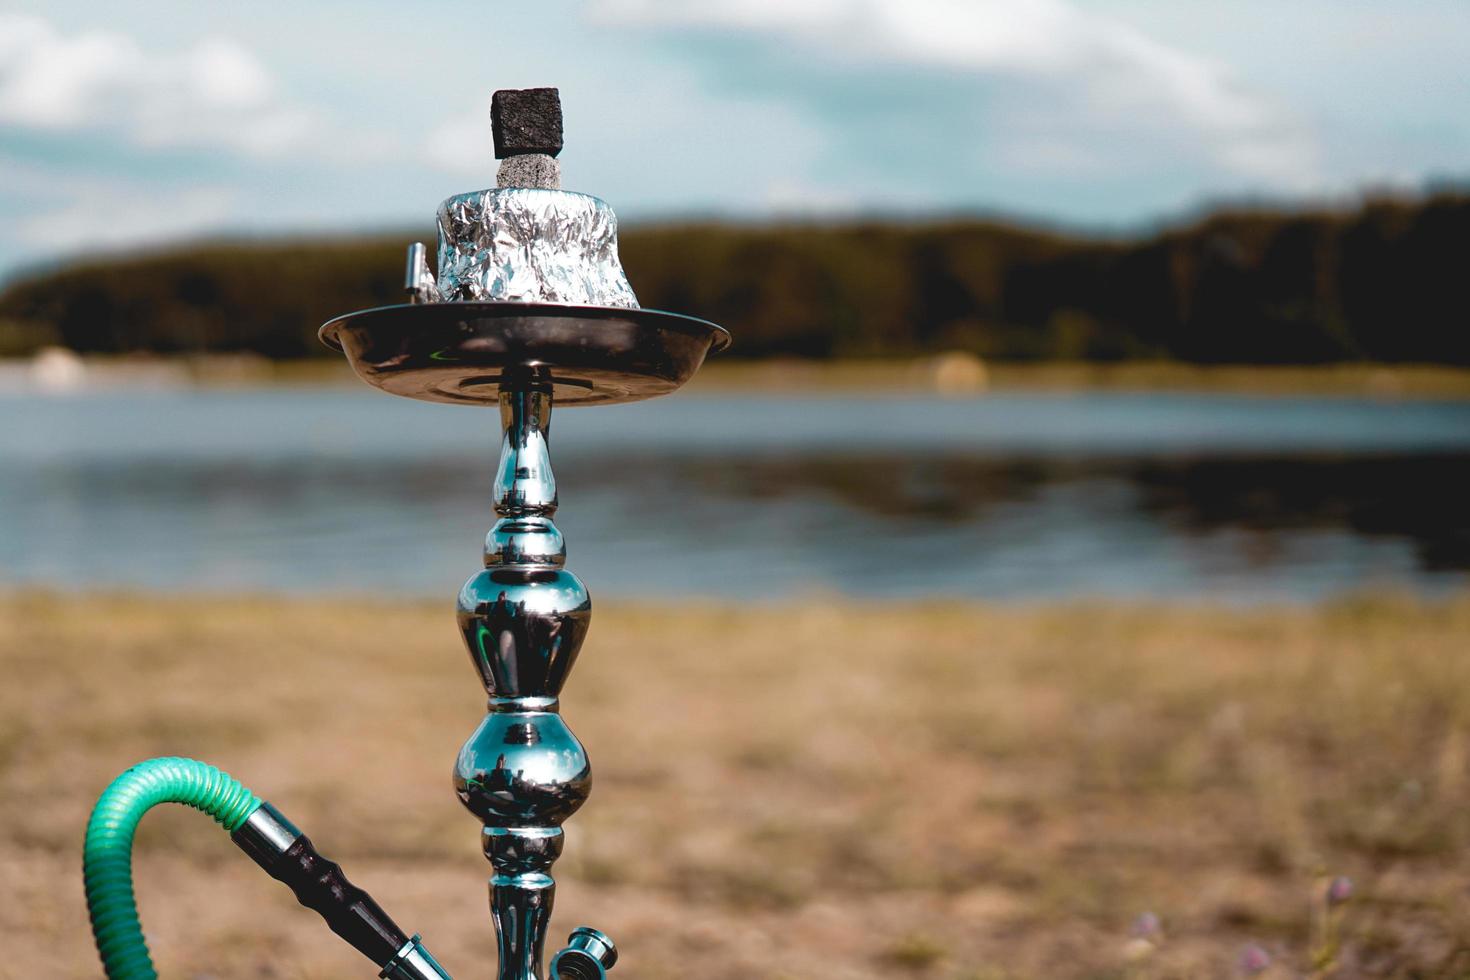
x=588 y=955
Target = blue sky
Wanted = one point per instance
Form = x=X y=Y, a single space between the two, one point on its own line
x=127 y=124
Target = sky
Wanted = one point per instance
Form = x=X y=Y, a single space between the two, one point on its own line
x=133 y=124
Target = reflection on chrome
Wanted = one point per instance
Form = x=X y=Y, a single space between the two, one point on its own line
x=530 y=307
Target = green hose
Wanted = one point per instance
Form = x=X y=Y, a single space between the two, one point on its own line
x=108 y=854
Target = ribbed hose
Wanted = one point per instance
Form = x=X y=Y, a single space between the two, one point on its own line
x=107 y=860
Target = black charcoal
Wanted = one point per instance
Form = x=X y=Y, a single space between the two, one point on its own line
x=526 y=120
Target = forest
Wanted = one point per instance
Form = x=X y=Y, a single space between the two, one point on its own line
x=1382 y=281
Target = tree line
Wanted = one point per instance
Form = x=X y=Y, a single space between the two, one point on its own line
x=1384 y=281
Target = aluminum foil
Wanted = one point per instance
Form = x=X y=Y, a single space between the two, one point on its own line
x=529 y=245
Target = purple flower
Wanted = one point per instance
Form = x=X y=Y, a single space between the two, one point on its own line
x=1146 y=926
x=1253 y=960
x=1339 y=890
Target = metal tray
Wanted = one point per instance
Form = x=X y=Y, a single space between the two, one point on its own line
x=465 y=352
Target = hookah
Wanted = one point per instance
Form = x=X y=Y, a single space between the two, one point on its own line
x=530 y=308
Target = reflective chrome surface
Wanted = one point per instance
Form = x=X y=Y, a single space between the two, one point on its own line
x=588 y=955
x=523 y=619
x=413 y=962
x=265 y=835
x=463 y=352
x=524 y=616
x=522 y=769
x=531 y=245
x=418 y=281
x=530 y=306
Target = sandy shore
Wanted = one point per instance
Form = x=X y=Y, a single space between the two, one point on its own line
x=837 y=791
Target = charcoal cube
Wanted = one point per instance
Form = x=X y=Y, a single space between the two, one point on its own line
x=526 y=120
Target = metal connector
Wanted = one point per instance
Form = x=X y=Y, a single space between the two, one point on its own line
x=413 y=962
x=418 y=281
x=288 y=856
x=266 y=835
x=588 y=955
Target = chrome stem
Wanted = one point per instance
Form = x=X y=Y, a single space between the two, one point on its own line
x=523 y=619
x=528 y=281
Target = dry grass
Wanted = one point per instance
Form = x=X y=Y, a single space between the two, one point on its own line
x=839 y=791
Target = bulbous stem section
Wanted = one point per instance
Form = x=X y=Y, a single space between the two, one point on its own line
x=523 y=619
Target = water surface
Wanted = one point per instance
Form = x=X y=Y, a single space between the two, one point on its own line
x=1011 y=496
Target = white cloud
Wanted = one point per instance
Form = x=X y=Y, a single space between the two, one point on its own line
x=212 y=94
x=228 y=75
x=793 y=195
x=1096 y=76
x=461 y=146
x=100 y=218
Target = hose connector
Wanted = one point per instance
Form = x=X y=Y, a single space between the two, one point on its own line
x=287 y=855
x=413 y=962
x=258 y=829
x=588 y=955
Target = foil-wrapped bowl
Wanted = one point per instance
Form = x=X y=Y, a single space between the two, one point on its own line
x=530 y=245
x=530 y=291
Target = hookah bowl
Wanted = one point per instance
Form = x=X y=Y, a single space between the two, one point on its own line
x=530 y=309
